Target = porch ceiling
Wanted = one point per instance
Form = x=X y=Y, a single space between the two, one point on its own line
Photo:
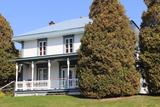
x=58 y=56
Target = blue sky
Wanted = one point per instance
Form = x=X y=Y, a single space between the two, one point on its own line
x=26 y=15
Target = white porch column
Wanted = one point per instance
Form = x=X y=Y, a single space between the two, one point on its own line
x=68 y=68
x=16 y=77
x=49 y=74
x=32 y=66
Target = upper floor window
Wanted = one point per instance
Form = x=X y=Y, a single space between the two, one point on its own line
x=22 y=44
x=68 y=44
x=42 y=46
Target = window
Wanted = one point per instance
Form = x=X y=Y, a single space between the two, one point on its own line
x=68 y=44
x=22 y=44
x=42 y=47
x=42 y=74
x=70 y=74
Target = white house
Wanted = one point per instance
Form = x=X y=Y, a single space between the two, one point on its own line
x=49 y=57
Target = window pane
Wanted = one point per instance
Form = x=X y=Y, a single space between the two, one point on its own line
x=76 y=76
x=40 y=50
x=66 y=41
x=70 y=74
x=71 y=40
x=41 y=53
x=44 y=44
x=66 y=50
x=66 y=45
x=40 y=44
x=40 y=74
x=63 y=74
x=44 y=48
x=71 y=50
x=45 y=74
x=71 y=45
x=44 y=52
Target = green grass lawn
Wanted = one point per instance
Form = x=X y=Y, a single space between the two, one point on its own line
x=70 y=101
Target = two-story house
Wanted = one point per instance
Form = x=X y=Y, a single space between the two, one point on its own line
x=49 y=57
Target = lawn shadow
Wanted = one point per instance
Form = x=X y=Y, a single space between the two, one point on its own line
x=79 y=96
x=112 y=98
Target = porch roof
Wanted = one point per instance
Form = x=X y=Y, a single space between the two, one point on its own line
x=58 y=56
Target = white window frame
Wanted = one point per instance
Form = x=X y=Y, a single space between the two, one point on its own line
x=41 y=74
x=44 y=52
x=68 y=44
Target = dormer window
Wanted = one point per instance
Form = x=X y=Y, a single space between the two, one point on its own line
x=68 y=44
x=42 y=46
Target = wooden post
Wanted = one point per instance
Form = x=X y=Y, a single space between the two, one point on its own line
x=16 y=77
x=68 y=69
x=32 y=65
x=49 y=74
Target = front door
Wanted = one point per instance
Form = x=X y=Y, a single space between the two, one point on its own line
x=63 y=77
x=42 y=74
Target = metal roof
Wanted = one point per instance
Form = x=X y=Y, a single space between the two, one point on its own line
x=57 y=29
x=74 y=26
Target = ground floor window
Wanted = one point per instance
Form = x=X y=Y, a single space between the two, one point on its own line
x=42 y=74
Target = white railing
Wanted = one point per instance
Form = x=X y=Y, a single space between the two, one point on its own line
x=27 y=85
x=19 y=85
x=62 y=83
x=6 y=85
x=73 y=83
x=40 y=85
x=44 y=84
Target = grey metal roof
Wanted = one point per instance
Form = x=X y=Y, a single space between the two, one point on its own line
x=69 y=24
x=58 y=29
x=74 y=26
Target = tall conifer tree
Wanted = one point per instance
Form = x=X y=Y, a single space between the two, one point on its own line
x=7 y=52
x=106 y=56
x=150 y=45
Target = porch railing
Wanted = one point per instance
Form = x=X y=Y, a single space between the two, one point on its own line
x=44 y=84
x=37 y=85
x=63 y=83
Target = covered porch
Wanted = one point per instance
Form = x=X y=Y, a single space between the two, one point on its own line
x=55 y=72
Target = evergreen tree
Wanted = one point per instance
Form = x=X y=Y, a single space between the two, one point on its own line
x=106 y=56
x=150 y=45
x=7 y=52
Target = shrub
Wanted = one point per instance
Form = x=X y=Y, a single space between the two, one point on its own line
x=2 y=94
x=150 y=45
x=106 y=56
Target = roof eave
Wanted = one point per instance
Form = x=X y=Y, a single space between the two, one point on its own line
x=37 y=58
